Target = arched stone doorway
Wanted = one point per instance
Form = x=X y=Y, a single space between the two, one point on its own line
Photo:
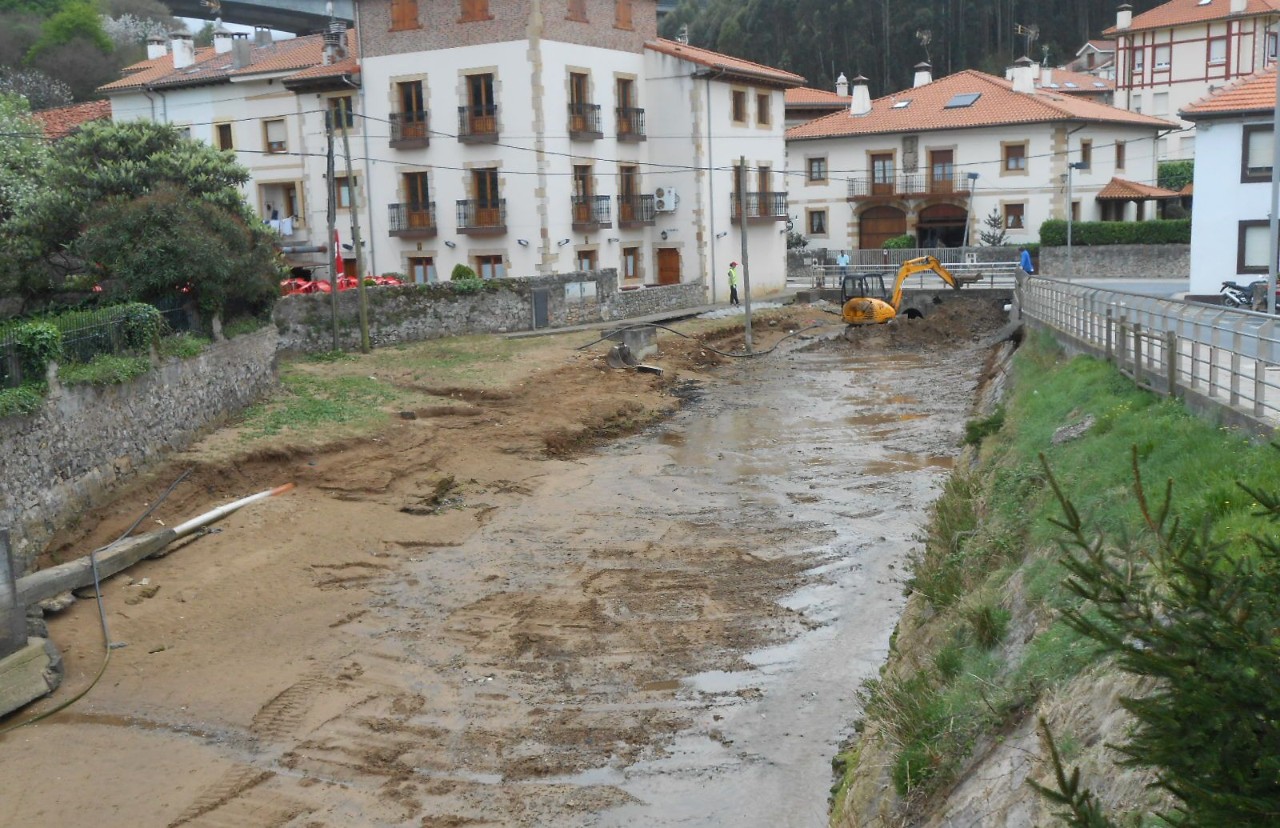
x=942 y=225
x=876 y=224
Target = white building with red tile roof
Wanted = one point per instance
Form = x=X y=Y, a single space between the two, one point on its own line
x=531 y=139
x=1230 y=233
x=1183 y=50
x=267 y=102
x=936 y=160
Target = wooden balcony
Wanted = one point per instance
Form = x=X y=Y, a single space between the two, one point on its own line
x=584 y=122
x=412 y=221
x=630 y=124
x=636 y=211
x=909 y=185
x=482 y=218
x=591 y=213
x=760 y=207
x=478 y=124
x=410 y=130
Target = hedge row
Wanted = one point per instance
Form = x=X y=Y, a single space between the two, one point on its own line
x=1053 y=233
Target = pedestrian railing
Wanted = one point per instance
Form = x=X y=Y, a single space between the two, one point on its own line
x=1227 y=356
x=981 y=274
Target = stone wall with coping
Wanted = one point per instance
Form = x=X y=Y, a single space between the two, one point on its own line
x=412 y=313
x=1120 y=261
x=85 y=440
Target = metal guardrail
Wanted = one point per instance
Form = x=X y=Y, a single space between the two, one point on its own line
x=984 y=274
x=1227 y=356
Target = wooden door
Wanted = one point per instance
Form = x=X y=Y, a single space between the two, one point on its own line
x=483 y=112
x=878 y=224
x=882 y=173
x=488 y=212
x=668 y=266
x=941 y=170
x=577 y=102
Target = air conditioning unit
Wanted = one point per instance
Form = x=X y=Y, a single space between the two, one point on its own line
x=665 y=200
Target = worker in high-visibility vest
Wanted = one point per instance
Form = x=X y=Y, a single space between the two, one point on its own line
x=733 y=283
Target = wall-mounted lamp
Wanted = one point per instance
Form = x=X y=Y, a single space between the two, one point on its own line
x=522 y=242
x=782 y=229
x=563 y=242
x=663 y=234
x=722 y=234
x=613 y=238
x=450 y=244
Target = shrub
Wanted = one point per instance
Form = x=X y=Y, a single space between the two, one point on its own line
x=1053 y=233
x=21 y=400
x=461 y=272
x=903 y=242
x=975 y=431
x=140 y=325
x=1174 y=175
x=39 y=343
x=105 y=369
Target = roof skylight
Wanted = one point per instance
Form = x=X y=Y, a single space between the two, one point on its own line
x=902 y=104
x=962 y=100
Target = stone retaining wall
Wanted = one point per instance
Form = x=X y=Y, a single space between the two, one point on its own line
x=412 y=313
x=1119 y=261
x=63 y=458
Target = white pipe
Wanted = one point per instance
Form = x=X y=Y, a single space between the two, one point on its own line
x=222 y=511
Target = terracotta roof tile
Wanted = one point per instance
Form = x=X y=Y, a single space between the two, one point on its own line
x=59 y=122
x=808 y=96
x=1256 y=93
x=348 y=66
x=729 y=65
x=299 y=53
x=1100 y=45
x=1120 y=189
x=997 y=105
x=1186 y=12
x=1075 y=83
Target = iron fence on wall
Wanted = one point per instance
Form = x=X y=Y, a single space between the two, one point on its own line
x=1224 y=356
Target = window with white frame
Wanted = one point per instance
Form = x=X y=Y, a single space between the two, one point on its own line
x=1256 y=153
x=1252 y=246
x=1217 y=50
x=1161 y=57
x=276 y=135
x=1159 y=103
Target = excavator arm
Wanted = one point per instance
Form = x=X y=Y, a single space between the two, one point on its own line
x=923 y=264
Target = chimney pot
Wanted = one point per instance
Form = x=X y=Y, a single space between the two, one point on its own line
x=241 y=51
x=842 y=85
x=861 y=102
x=156 y=47
x=221 y=38
x=1124 y=16
x=1024 y=77
x=183 y=49
x=261 y=37
x=924 y=74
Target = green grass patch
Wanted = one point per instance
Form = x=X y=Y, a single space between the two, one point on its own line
x=243 y=325
x=312 y=402
x=25 y=399
x=182 y=346
x=104 y=369
x=991 y=535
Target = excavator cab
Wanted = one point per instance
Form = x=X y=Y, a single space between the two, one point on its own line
x=870 y=285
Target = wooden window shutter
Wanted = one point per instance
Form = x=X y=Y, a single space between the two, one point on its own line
x=622 y=14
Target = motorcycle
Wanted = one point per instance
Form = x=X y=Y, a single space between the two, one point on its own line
x=1235 y=295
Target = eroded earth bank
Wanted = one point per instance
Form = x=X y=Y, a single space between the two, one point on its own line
x=474 y=618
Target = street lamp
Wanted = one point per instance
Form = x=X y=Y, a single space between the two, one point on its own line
x=968 y=213
x=1073 y=165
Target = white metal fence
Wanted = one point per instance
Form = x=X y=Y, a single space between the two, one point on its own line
x=1225 y=356
x=966 y=263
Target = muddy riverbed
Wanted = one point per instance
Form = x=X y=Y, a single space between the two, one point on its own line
x=669 y=630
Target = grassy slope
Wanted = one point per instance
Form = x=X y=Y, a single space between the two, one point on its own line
x=981 y=643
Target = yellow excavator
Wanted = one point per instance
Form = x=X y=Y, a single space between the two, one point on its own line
x=864 y=300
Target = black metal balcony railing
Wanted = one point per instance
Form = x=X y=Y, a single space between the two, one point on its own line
x=415 y=221
x=584 y=121
x=636 y=210
x=923 y=183
x=591 y=212
x=478 y=123
x=410 y=129
x=480 y=217
x=768 y=206
x=630 y=123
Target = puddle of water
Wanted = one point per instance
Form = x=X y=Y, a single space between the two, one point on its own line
x=884 y=417
x=720 y=681
x=671 y=438
x=898 y=462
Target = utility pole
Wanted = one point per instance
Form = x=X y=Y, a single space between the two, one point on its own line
x=1273 y=225
x=355 y=226
x=742 y=238
x=332 y=244
x=1071 y=167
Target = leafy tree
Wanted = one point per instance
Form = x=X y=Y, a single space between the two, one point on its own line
x=994 y=235
x=75 y=21
x=100 y=161
x=22 y=154
x=1174 y=175
x=40 y=90
x=18 y=33
x=204 y=37
x=166 y=244
x=1200 y=618
x=81 y=65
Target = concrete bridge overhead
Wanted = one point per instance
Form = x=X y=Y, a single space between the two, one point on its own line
x=296 y=16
